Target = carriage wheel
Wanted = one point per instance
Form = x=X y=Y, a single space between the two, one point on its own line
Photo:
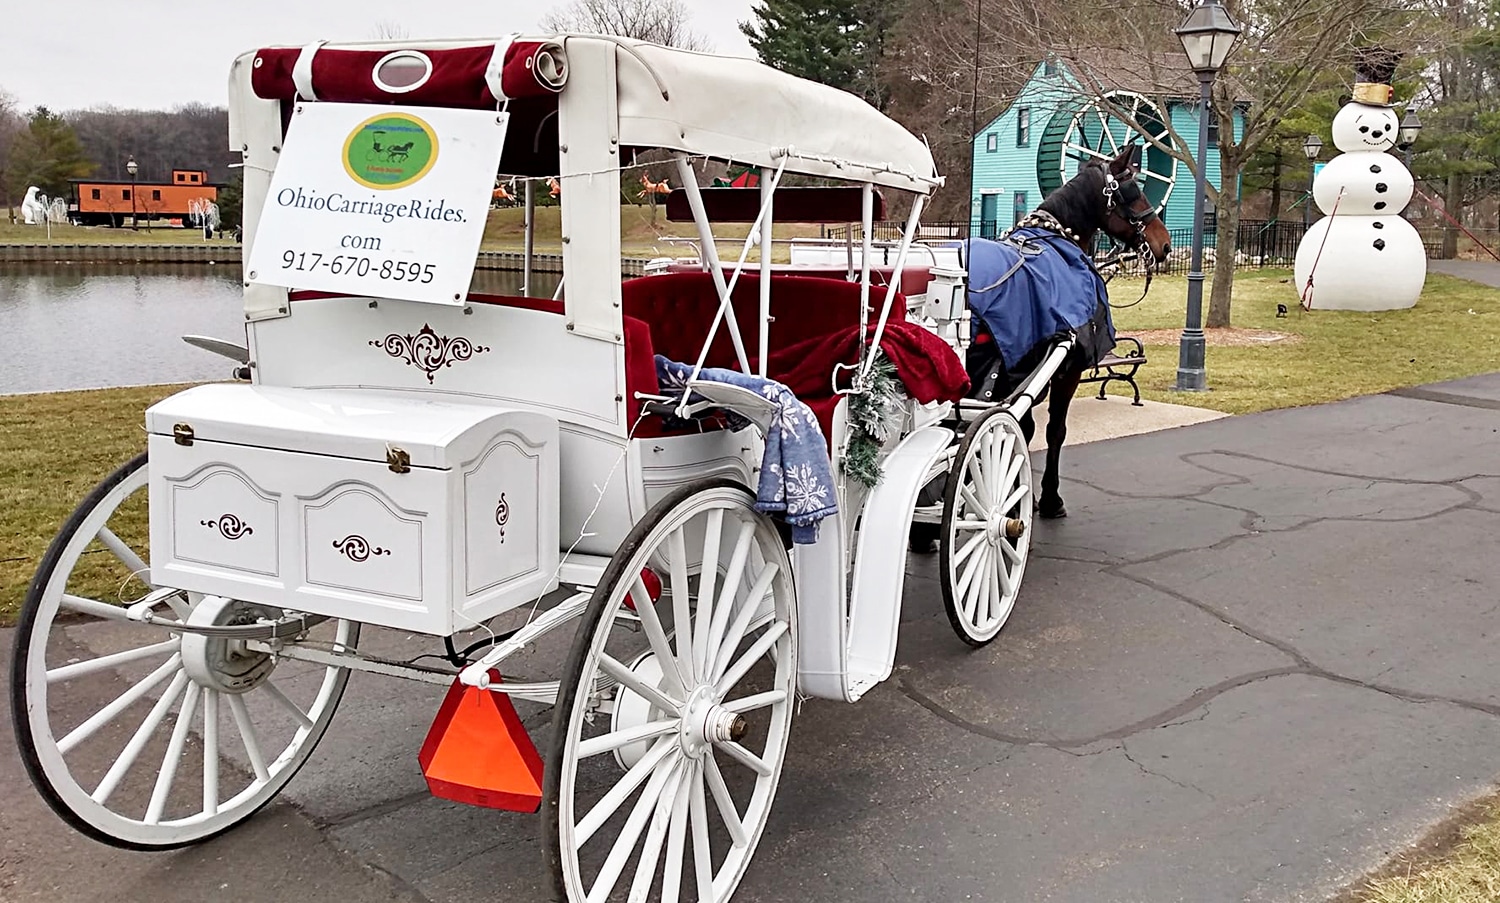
x=986 y=530
x=138 y=736
x=688 y=679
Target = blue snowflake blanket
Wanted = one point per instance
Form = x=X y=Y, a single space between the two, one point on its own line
x=1033 y=286
x=796 y=477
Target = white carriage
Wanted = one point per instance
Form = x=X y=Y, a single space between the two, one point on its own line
x=437 y=465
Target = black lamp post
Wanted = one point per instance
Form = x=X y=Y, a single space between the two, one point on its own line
x=132 y=168
x=1207 y=37
x=1310 y=148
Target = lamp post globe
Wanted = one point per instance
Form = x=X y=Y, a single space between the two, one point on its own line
x=132 y=168
x=1407 y=133
x=1208 y=35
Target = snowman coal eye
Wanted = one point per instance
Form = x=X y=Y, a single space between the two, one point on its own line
x=1364 y=128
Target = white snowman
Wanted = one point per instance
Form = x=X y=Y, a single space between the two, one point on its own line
x=1363 y=255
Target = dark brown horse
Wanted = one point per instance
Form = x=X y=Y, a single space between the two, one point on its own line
x=1103 y=196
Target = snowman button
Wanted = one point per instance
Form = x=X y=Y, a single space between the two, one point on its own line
x=1379 y=224
x=1380 y=188
x=1380 y=205
x=1374 y=167
x=1380 y=244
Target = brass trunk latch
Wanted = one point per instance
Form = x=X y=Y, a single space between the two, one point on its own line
x=397 y=459
x=182 y=433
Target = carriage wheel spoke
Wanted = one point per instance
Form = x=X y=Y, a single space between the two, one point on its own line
x=87 y=606
x=703 y=854
x=125 y=554
x=1012 y=476
x=997 y=597
x=1011 y=552
x=682 y=619
x=1015 y=498
x=977 y=587
x=671 y=880
x=759 y=648
x=968 y=548
x=648 y=805
x=139 y=739
x=613 y=741
x=104 y=662
x=969 y=523
x=210 y=752
x=612 y=800
x=656 y=835
x=708 y=581
x=974 y=504
x=168 y=774
x=657 y=637
x=1002 y=574
x=609 y=665
x=728 y=812
x=745 y=757
x=757 y=701
x=122 y=702
x=977 y=475
x=742 y=620
x=292 y=708
x=247 y=737
x=734 y=578
x=976 y=565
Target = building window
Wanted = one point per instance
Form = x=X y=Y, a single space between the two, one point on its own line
x=156 y=194
x=1049 y=68
x=992 y=142
x=94 y=194
x=193 y=177
x=124 y=194
x=1213 y=129
x=1020 y=209
x=1023 y=127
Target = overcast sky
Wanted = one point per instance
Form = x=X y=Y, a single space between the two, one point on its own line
x=70 y=54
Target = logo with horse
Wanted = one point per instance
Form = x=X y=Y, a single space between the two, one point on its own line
x=391 y=150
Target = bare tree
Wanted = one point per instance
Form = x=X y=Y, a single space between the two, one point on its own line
x=389 y=30
x=658 y=21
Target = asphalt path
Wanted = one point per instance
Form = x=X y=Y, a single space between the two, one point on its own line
x=1256 y=660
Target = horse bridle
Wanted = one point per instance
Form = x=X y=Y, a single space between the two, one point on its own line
x=1120 y=194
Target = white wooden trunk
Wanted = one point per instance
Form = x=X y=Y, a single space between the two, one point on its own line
x=289 y=497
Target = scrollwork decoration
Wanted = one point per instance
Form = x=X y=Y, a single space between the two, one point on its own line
x=357 y=548
x=502 y=516
x=429 y=351
x=228 y=526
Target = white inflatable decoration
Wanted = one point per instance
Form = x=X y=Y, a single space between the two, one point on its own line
x=34 y=207
x=1363 y=255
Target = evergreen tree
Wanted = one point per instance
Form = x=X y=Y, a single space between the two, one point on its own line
x=47 y=153
x=836 y=43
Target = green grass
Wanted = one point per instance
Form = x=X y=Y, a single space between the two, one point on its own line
x=1450 y=333
x=63 y=234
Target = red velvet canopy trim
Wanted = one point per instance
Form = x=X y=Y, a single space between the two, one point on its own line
x=457 y=80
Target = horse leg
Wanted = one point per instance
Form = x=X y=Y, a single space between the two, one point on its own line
x=1064 y=384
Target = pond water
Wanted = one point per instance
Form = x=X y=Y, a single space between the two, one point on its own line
x=88 y=327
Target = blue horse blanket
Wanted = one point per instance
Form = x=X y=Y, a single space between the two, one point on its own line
x=1033 y=286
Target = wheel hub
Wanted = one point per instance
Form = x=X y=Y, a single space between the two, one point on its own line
x=706 y=722
x=999 y=527
x=226 y=665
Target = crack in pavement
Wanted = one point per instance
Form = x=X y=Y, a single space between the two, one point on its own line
x=1156 y=774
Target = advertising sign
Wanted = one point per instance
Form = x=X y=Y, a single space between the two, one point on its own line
x=385 y=202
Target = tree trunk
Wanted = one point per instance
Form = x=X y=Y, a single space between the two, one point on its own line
x=1228 y=221
x=1453 y=203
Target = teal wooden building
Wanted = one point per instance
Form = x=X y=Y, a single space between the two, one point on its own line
x=1036 y=144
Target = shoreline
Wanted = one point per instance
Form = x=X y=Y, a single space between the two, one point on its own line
x=210 y=253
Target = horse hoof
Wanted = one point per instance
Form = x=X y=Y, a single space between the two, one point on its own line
x=1052 y=512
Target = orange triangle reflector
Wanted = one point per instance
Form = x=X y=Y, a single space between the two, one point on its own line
x=477 y=752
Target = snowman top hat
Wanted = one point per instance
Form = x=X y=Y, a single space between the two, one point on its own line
x=1374 y=69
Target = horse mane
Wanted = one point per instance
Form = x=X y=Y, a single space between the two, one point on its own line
x=1080 y=204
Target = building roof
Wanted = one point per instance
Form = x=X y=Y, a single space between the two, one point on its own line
x=1163 y=74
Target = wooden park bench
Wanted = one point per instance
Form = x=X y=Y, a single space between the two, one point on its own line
x=1114 y=366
